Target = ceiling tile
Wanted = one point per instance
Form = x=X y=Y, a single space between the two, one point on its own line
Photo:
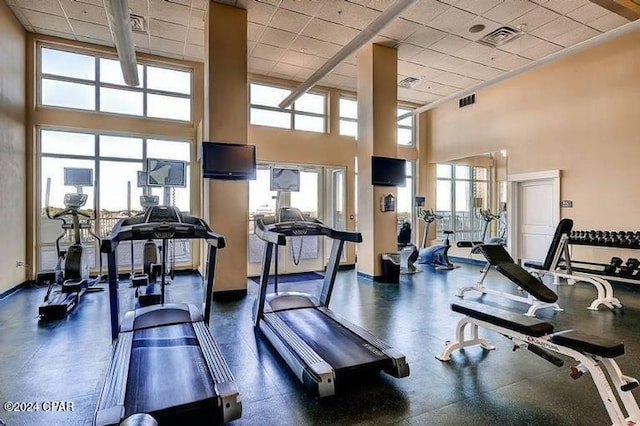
x=520 y=44
x=608 y=22
x=453 y=21
x=93 y=2
x=258 y=12
x=425 y=37
x=141 y=41
x=309 y=8
x=489 y=26
x=587 y=13
x=507 y=11
x=196 y=37
x=399 y=29
x=167 y=30
x=169 y=12
x=46 y=31
x=288 y=21
x=407 y=51
x=349 y=14
x=304 y=73
x=509 y=62
x=87 y=29
x=424 y=11
x=52 y=7
x=563 y=6
x=259 y=66
x=201 y=4
x=84 y=12
x=455 y=80
x=164 y=54
x=473 y=50
x=276 y=37
x=44 y=20
x=534 y=19
x=419 y=97
x=21 y=17
x=264 y=51
x=299 y=59
x=479 y=71
x=555 y=28
x=450 y=63
x=449 y=44
x=328 y=31
x=285 y=69
x=315 y=47
x=384 y=41
x=197 y=19
x=541 y=50
x=409 y=68
x=477 y=7
x=138 y=7
x=429 y=58
x=254 y=31
x=94 y=41
x=576 y=36
x=347 y=70
x=166 y=45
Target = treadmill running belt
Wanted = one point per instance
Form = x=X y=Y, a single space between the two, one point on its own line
x=167 y=369
x=336 y=344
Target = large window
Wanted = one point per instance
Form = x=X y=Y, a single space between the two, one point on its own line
x=88 y=82
x=461 y=191
x=308 y=112
x=405 y=201
x=349 y=121
x=115 y=161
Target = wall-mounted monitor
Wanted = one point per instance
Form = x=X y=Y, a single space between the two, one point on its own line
x=78 y=177
x=169 y=173
x=283 y=179
x=228 y=161
x=142 y=179
x=386 y=171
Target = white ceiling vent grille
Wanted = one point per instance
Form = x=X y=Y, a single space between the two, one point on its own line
x=409 y=82
x=500 y=36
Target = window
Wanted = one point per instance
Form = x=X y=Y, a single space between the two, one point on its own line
x=460 y=192
x=405 y=201
x=115 y=161
x=349 y=121
x=307 y=113
x=87 y=82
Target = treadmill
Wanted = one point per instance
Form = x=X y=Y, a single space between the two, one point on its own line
x=319 y=346
x=165 y=362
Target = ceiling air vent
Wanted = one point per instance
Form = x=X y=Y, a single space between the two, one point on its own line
x=500 y=36
x=409 y=82
x=467 y=100
x=138 y=23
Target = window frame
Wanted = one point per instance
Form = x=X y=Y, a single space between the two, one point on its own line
x=97 y=84
x=291 y=109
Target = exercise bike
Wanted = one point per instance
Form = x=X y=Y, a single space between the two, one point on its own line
x=71 y=273
x=488 y=217
x=437 y=255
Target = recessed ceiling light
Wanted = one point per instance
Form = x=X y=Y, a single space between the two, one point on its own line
x=476 y=28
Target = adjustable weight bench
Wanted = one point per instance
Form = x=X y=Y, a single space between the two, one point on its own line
x=593 y=354
x=538 y=294
x=558 y=249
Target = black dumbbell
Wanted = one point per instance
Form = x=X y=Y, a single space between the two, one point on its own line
x=613 y=265
x=628 y=269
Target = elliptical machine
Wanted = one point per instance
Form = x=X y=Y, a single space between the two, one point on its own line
x=488 y=217
x=72 y=268
x=437 y=255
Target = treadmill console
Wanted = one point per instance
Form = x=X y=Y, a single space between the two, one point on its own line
x=290 y=214
x=163 y=214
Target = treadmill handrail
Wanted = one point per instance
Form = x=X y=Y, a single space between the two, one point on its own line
x=154 y=230
x=276 y=233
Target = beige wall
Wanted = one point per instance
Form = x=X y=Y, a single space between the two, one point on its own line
x=12 y=149
x=578 y=114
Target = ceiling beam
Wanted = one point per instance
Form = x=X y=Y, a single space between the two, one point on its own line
x=363 y=37
x=122 y=35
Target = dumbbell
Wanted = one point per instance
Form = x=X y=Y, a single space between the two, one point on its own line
x=613 y=265
x=628 y=269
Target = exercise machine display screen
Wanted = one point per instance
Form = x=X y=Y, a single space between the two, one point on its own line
x=285 y=179
x=78 y=177
x=166 y=173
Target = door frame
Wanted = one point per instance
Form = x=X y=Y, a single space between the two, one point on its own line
x=513 y=206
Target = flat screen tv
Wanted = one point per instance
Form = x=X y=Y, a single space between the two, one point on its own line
x=386 y=171
x=285 y=179
x=228 y=161
x=171 y=173
x=74 y=176
x=142 y=178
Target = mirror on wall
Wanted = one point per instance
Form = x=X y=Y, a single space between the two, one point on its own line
x=471 y=197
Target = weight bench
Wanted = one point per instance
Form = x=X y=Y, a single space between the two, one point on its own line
x=593 y=354
x=559 y=249
x=538 y=294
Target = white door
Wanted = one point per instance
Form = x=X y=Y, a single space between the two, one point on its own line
x=537 y=217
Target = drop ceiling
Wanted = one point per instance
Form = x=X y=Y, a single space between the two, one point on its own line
x=290 y=39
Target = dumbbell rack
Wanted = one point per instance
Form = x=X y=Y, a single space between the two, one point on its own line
x=607 y=239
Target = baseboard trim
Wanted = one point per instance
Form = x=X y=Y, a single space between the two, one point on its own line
x=229 y=295
x=15 y=289
x=376 y=278
x=346 y=266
